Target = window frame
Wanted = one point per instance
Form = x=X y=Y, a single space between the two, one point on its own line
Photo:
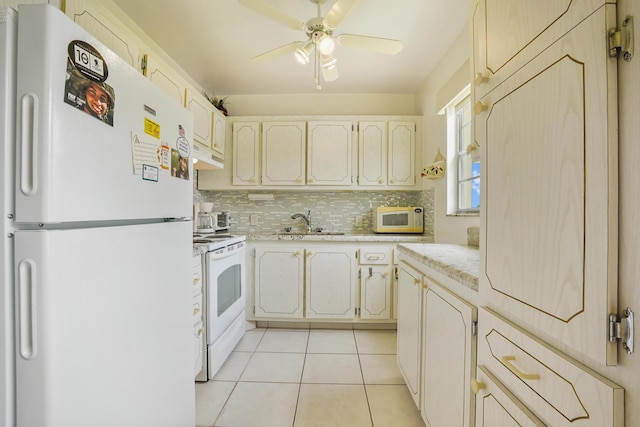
x=454 y=130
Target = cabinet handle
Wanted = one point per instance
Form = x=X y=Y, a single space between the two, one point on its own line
x=299 y=180
x=384 y=274
x=196 y=311
x=253 y=180
x=310 y=180
x=480 y=79
x=297 y=253
x=476 y=386
x=196 y=279
x=381 y=181
x=416 y=282
x=479 y=108
x=392 y=181
x=201 y=331
x=507 y=362
x=309 y=253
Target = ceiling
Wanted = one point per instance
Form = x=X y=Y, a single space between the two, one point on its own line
x=214 y=41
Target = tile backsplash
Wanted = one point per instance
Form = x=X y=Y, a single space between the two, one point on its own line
x=344 y=211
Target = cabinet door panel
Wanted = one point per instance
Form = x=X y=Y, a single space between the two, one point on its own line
x=330 y=283
x=375 y=293
x=329 y=153
x=372 y=159
x=402 y=148
x=410 y=328
x=201 y=109
x=219 y=132
x=246 y=157
x=278 y=282
x=104 y=28
x=448 y=358
x=550 y=205
x=283 y=153
x=166 y=79
x=509 y=33
x=496 y=406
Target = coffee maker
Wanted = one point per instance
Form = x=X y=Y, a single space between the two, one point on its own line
x=205 y=222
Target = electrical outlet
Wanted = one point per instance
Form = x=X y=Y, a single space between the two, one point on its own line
x=358 y=221
x=253 y=219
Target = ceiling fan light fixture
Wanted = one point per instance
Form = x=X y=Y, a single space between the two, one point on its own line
x=326 y=44
x=329 y=62
x=303 y=53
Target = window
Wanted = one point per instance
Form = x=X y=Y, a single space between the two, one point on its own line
x=463 y=182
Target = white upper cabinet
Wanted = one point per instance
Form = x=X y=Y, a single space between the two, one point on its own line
x=372 y=153
x=284 y=153
x=509 y=33
x=166 y=78
x=98 y=21
x=329 y=153
x=219 y=133
x=402 y=148
x=246 y=153
x=202 y=111
x=548 y=136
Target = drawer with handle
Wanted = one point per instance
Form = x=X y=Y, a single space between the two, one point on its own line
x=559 y=390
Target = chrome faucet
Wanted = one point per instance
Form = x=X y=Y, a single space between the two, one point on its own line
x=307 y=218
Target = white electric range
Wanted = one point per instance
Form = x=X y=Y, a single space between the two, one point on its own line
x=223 y=263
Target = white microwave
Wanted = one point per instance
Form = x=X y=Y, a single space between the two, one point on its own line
x=408 y=219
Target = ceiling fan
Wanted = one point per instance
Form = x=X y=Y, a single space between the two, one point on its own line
x=321 y=40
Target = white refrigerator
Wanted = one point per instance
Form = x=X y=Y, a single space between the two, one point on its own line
x=96 y=193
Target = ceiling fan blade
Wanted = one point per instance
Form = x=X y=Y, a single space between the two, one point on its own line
x=374 y=44
x=279 y=51
x=339 y=11
x=273 y=13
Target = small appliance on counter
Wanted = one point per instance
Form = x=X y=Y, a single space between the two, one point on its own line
x=398 y=220
x=208 y=221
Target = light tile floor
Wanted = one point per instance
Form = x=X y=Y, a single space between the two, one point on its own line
x=309 y=378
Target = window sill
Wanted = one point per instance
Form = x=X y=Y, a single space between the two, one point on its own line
x=464 y=214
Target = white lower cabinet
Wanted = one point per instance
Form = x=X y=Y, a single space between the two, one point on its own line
x=436 y=348
x=409 y=335
x=448 y=358
x=376 y=276
x=558 y=390
x=497 y=406
x=198 y=323
x=330 y=282
x=315 y=282
x=278 y=274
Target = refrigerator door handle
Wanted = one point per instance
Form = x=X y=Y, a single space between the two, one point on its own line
x=28 y=142
x=27 y=333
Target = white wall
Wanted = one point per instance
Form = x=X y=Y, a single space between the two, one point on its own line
x=322 y=104
x=436 y=88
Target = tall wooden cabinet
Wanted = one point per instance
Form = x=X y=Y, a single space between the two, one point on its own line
x=545 y=99
x=549 y=199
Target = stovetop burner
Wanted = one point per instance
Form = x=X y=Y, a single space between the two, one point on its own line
x=214 y=241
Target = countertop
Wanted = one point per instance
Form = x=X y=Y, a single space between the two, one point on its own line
x=364 y=237
x=459 y=262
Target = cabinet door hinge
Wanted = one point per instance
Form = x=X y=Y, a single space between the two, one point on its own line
x=143 y=64
x=357 y=311
x=474 y=329
x=621 y=329
x=254 y=309
x=621 y=40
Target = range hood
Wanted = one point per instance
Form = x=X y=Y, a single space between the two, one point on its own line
x=205 y=160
